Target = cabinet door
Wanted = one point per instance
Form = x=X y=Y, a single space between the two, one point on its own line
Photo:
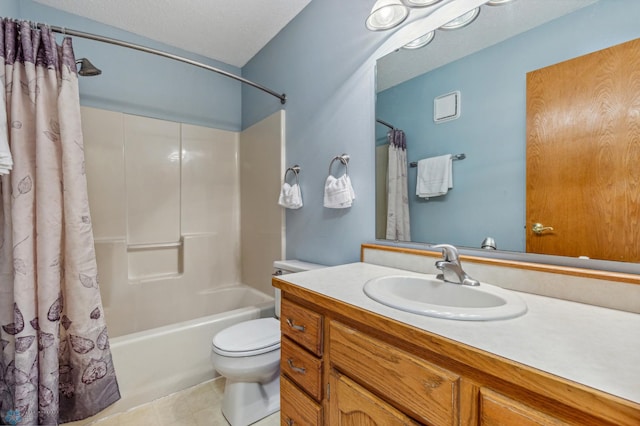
x=352 y=405
x=497 y=410
x=425 y=391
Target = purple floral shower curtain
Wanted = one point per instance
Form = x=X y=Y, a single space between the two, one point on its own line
x=55 y=363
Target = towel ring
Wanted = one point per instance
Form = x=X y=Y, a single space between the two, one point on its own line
x=295 y=169
x=344 y=159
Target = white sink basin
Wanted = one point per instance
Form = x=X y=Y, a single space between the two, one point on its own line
x=429 y=296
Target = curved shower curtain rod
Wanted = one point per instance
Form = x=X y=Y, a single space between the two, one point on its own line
x=70 y=32
x=384 y=123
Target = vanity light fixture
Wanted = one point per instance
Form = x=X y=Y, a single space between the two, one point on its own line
x=497 y=2
x=386 y=14
x=420 y=41
x=462 y=20
x=420 y=3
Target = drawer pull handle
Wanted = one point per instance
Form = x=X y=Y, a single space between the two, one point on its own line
x=290 y=421
x=295 y=327
x=300 y=370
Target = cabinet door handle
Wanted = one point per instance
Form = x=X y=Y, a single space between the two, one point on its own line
x=300 y=370
x=295 y=327
x=289 y=421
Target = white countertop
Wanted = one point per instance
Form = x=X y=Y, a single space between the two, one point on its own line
x=594 y=346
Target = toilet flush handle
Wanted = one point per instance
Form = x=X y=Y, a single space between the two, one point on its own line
x=294 y=326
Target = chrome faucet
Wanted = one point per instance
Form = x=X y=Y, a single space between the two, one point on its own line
x=450 y=266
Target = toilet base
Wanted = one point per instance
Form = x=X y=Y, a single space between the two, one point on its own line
x=244 y=403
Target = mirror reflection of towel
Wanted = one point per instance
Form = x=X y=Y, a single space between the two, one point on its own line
x=434 y=177
x=338 y=192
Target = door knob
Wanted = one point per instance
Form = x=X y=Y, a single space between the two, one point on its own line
x=539 y=228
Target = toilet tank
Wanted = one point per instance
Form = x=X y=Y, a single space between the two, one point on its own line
x=283 y=267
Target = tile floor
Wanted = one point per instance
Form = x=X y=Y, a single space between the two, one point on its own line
x=195 y=406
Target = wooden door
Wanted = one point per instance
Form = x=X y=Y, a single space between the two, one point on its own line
x=583 y=156
x=352 y=405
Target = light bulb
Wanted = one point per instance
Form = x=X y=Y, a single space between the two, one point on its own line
x=420 y=41
x=462 y=20
x=420 y=3
x=497 y=2
x=386 y=14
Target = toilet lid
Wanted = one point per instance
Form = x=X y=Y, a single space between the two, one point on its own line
x=248 y=338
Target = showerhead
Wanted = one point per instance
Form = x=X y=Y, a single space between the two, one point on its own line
x=87 y=69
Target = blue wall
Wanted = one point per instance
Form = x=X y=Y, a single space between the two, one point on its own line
x=323 y=61
x=488 y=198
x=9 y=8
x=144 y=84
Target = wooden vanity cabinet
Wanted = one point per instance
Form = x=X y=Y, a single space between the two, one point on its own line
x=301 y=365
x=372 y=370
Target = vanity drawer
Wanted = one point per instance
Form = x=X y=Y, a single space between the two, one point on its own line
x=296 y=408
x=301 y=325
x=428 y=392
x=301 y=367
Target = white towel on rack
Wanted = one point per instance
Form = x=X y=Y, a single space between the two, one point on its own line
x=290 y=196
x=434 y=177
x=6 y=161
x=338 y=192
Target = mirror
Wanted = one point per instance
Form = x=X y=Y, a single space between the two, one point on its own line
x=487 y=62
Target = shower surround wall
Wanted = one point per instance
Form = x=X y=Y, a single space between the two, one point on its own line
x=166 y=212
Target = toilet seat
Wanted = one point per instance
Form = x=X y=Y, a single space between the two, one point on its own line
x=248 y=338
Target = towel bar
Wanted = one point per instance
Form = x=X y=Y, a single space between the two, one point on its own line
x=344 y=159
x=453 y=157
x=386 y=124
x=295 y=169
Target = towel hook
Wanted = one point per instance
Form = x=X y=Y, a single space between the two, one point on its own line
x=295 y=169
x=344 y=159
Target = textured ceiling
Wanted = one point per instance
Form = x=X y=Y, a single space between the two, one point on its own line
x=231 y=31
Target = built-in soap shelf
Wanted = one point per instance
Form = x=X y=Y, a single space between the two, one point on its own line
x=155 y=261
x=153 y=246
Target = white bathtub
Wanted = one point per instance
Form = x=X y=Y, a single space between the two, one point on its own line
x=154 y=363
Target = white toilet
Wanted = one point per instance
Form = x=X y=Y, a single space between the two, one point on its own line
x=247 y=354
